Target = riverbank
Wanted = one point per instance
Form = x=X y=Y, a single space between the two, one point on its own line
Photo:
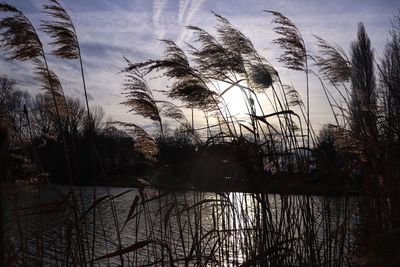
x=277 y=184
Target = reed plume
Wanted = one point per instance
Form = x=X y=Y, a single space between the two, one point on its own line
x=21 y=41
x=294 y=56
x=18 y=37
x=174 y=63
x=293 y=96
x=51 y=84
x=195 y=93
x=144 y=143
x=231 y=38
x=212 y=59
x=65 y=41
x=336 y=68
x=333 y=61
x=291 y=41
x=188 y=85
x=260 y=73
x=61 y=30
x=139 y=97
x=172 y=111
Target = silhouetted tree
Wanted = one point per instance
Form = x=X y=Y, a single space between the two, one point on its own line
x=96 y=121
x=327 y=158
x=390 y=92
x=44 y=119
x=12 y=103
x=390 y=83
x=363 y=104
x=76 y=115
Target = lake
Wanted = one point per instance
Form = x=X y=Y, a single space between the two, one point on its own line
x=57 y=226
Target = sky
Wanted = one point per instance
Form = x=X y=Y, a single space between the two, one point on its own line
x=111 y=30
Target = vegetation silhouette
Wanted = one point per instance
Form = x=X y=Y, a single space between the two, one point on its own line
x=51 y=138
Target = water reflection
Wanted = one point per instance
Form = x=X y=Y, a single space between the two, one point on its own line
x=54 y=226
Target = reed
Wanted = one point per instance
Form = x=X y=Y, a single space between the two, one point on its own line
x=80 y=226
x=366 y=123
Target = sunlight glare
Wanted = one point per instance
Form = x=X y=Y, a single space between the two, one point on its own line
x=235 y=101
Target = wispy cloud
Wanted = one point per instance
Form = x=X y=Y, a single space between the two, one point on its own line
x=158 y=7
x=187 y=18
x=183 y=5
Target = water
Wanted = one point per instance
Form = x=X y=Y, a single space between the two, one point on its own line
x=183 y=228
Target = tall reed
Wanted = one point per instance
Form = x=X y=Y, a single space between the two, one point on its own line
x=143 y=227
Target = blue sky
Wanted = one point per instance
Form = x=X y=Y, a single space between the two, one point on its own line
x=109 y=30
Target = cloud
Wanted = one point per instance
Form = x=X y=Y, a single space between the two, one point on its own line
x=187 y=18
x=27 y=6
x=183 y=5
x=158 y=6
x=90 y=97
x=108 y=30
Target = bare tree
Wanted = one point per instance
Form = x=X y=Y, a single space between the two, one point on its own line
x=96 y=120
x=13 y=105
x=76 y=116
x=390 y=83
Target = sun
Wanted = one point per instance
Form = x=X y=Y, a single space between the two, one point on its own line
x=235 y=101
